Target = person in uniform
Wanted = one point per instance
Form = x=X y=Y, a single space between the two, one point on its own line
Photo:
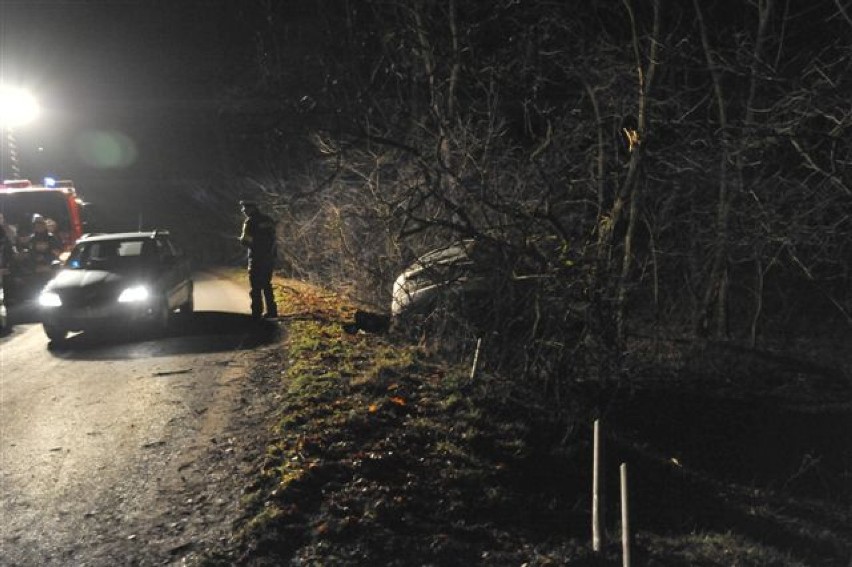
x=258 y=236
x=7 y=250
x=44 y=247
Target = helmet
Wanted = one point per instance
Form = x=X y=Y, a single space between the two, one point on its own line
x=248 y=204
x=37 y=218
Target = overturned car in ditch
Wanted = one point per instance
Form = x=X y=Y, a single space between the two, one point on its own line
x=486 y=282
x=449 y=270
x=469 y=277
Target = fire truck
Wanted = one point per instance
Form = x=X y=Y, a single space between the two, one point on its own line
x=20 y=199
x=63 y=209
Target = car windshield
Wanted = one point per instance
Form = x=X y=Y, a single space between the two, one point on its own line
x=18 y=208
x=116 y=255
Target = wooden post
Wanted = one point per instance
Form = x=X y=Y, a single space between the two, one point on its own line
x=598 y=530
x=475 y=367
x=625 y=519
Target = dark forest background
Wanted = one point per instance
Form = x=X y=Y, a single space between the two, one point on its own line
x=645 y=168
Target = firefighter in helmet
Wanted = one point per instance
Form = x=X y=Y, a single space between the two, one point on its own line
x=43 y=246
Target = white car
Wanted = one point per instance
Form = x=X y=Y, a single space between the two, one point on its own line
x=455 y=269
x=124 y=281
x=472 y=274
x=3 y=313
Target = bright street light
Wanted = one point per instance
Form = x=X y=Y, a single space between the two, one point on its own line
x=17 y=107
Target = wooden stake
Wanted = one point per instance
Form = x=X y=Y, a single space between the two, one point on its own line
x=598 y=532
x=475 y=367
x=625 y=519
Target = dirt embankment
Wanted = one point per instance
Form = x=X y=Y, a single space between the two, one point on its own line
x=383 y=454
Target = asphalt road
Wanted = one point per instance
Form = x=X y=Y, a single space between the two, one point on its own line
x=106 y=443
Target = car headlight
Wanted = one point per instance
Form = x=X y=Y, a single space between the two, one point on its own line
x=134 y=294
x=49 y=299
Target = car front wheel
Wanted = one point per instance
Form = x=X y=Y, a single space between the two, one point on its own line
x=160 y=321
x=54 y=333
x=188 y=306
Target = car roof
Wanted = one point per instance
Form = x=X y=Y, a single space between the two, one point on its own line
x=121 y=236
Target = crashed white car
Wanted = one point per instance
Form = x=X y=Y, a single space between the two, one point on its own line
x=455 y=269
x=3 y=313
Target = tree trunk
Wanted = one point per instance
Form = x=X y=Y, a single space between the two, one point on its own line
x=715 y=288
x=634 y=187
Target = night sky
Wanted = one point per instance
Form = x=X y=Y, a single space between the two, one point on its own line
x=129 y=90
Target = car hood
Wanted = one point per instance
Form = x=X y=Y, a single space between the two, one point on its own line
x=70 y=279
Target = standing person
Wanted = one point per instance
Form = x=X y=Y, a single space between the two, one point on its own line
x=8 y=232
x=7 y=248
x=7 y=243
x=258 y=236
x=44 y=246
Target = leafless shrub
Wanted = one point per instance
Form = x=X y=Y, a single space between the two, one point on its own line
x=637 y=165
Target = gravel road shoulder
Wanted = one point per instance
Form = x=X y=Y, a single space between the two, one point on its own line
x=161 y=496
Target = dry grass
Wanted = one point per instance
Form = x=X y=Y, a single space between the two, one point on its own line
x=386 y=455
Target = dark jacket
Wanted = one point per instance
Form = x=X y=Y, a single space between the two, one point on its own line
x=7 y=249
x=44 y=247
x=259 y=237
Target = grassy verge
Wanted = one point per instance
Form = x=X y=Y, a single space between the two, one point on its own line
x=386 y=455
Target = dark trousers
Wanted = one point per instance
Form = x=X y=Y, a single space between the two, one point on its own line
x=260 y=280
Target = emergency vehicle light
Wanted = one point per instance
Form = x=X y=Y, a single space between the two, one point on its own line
x=17 y=183
x=49 y=182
